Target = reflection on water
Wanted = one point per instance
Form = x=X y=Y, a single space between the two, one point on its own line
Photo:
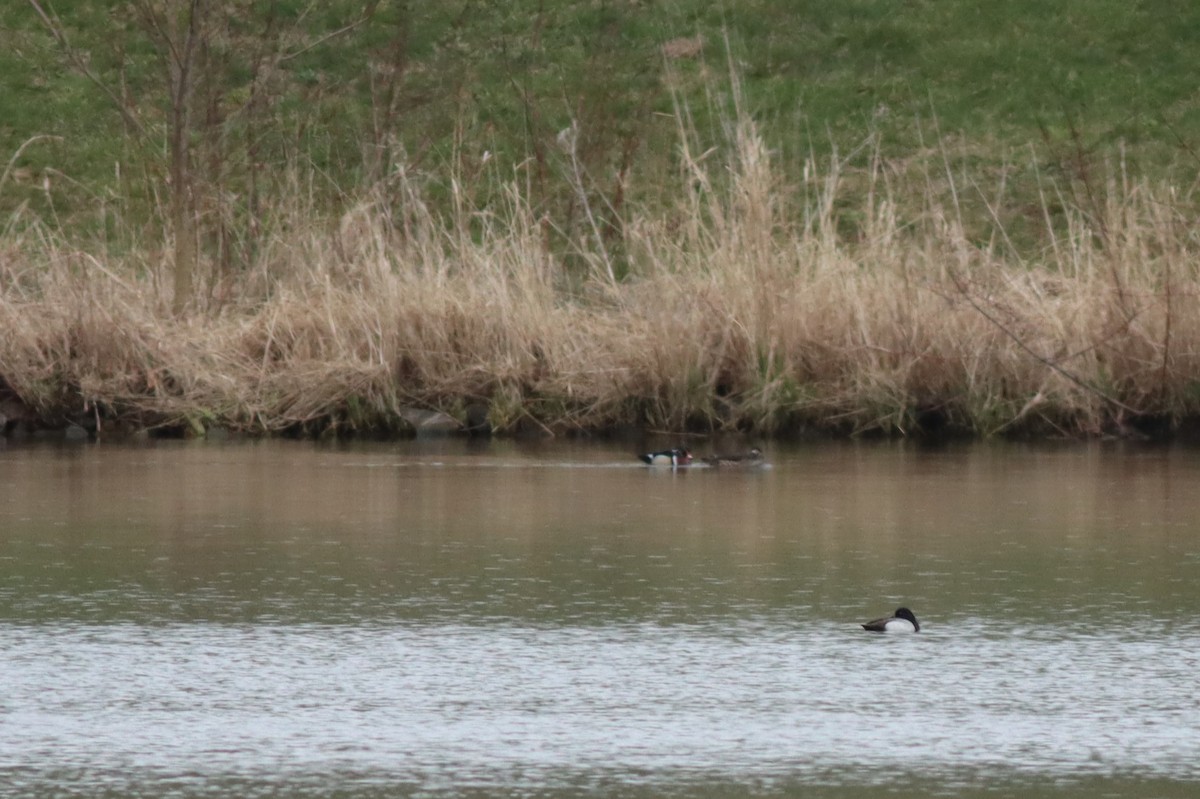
x=552 y=620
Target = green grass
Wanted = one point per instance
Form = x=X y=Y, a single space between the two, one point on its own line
x=1070 y=83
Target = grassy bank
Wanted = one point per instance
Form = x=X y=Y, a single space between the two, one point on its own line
x=570 y=217
x=441 y=86
x=743 y=307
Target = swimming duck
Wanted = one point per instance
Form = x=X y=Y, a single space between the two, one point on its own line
x=680 y=456
x=902 y=621
x=751 y=458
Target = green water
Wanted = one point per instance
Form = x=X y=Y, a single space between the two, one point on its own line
x=449 y=618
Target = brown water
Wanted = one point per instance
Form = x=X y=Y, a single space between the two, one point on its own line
x=502 y=619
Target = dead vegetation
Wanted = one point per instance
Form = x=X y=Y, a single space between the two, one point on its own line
x=743 y=305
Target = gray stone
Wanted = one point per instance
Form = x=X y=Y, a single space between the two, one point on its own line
x=429 y=422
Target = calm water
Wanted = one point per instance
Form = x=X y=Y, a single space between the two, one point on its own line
x=446 y=619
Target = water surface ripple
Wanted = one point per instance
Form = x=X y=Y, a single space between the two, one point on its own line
x=521 y=707
x=347 y=624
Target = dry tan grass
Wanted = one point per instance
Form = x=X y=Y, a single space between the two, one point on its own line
x=744 y=308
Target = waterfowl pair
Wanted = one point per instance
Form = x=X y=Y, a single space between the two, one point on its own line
x=682 y=456
x=679 y=456
x=902 y=621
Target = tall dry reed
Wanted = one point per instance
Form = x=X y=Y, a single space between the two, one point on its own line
x=747 y=304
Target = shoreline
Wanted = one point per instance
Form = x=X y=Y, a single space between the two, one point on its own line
x=27 y=428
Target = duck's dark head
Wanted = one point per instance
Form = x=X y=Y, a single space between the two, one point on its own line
x=907 y=615
x=683 y=454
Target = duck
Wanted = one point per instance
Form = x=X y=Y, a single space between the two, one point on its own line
x=679 y=456
x=902 y=621
x=751 y=458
